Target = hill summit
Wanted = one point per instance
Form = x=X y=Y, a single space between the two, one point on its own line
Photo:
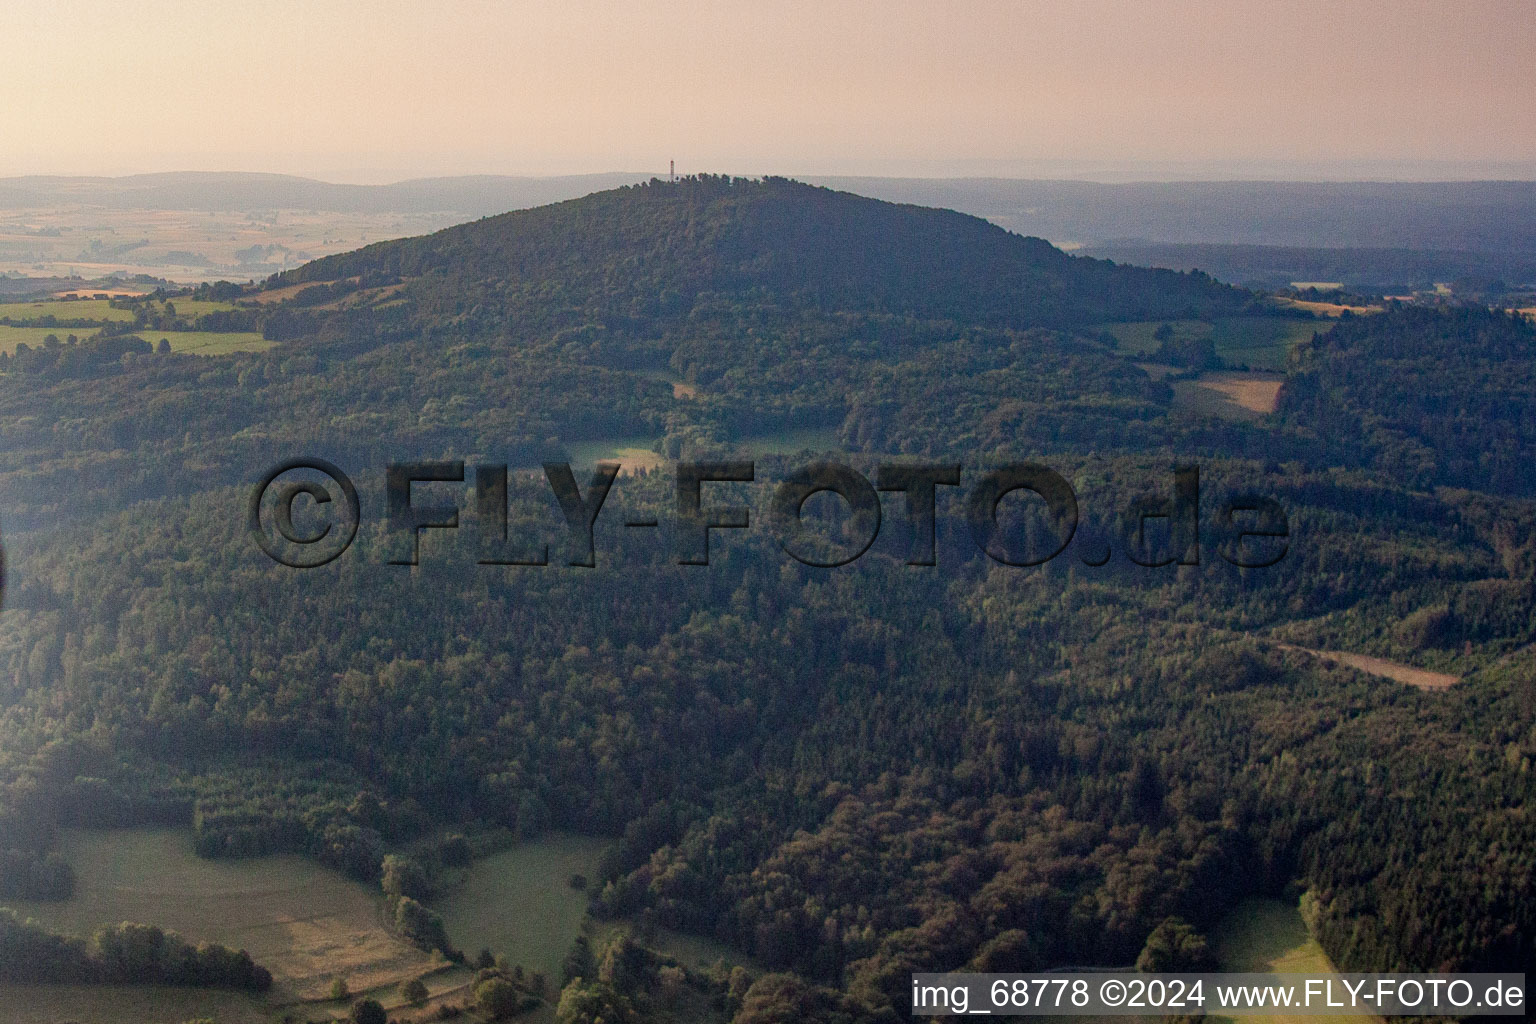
x=656 y=247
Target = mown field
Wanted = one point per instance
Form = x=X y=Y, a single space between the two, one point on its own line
x=306 y=923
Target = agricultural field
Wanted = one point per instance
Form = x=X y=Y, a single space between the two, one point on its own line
x=307 y=924
x=102 y=311
x=30 y=325
x=98 y=310
x=519 y=903
x=189 y=246
x=1333 y=309
x=197 y=307
x=100 y=291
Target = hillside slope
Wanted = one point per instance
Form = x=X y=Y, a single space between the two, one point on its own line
x=657 y=247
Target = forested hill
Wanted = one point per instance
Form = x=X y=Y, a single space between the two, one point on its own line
x=1432 y=397
x=852 y=774
x=654 y=248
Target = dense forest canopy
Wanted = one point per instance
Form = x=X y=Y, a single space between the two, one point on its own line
x=849 y=774
x=653 y=250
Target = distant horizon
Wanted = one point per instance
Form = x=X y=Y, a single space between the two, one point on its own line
x=1087 y=172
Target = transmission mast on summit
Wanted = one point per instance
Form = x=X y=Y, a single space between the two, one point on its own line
x=672 y=170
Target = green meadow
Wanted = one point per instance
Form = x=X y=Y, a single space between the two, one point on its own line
x=632 y=453
x=304 y=922
x=1259 y=342
x=1269 y=936
x=201 y=343
x=10 y=337
x=519 y=903
x=99 y=310
x=197 y=307
x=209 y=343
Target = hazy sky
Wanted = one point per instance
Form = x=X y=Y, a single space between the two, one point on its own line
x=375 y=91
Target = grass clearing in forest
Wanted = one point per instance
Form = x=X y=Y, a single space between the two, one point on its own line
x=1135 y=337
x=681 y=389
x=1260 y=342
x=281 y=294
x=788 y=442
x=697 y=951
x=1233 y=395
x=1270 y=936
x=636 y=453
x=1257 y=342
x=519 y=903
x=631 y=453
x=209 y=343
